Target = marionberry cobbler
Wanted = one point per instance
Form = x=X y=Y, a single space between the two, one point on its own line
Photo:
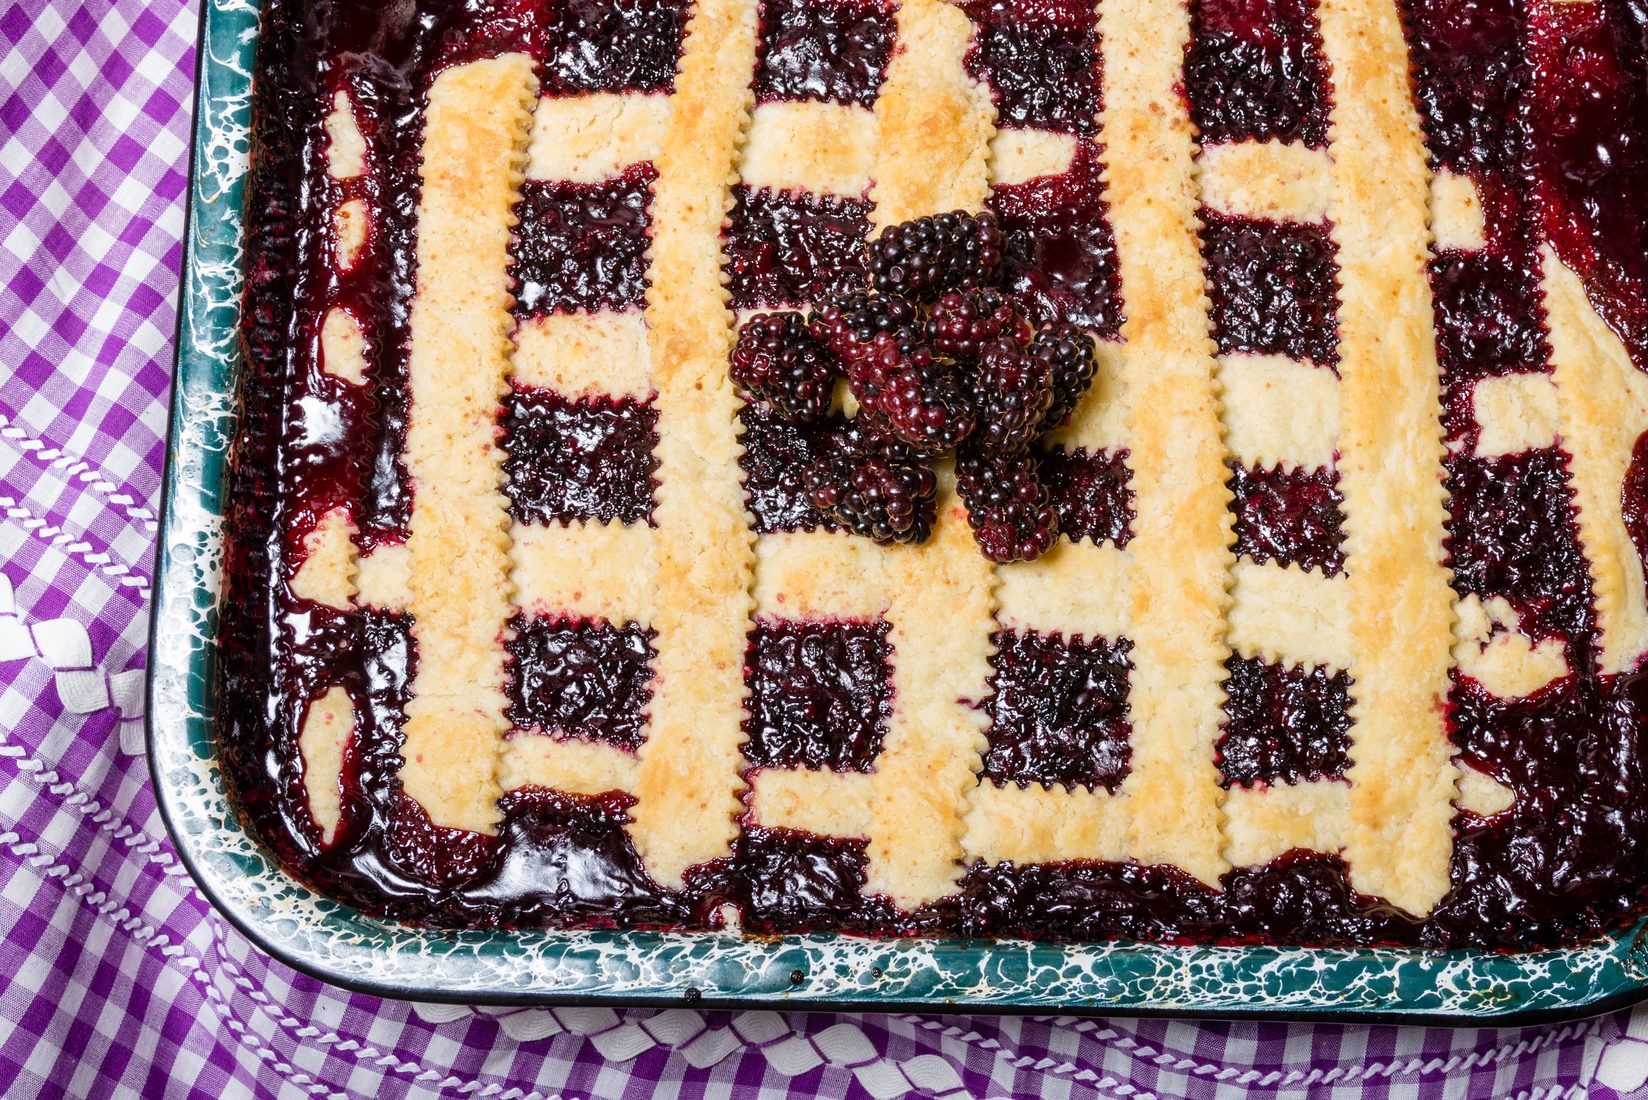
x=1005 y=468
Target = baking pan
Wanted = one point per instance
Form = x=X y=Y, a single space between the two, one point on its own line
x=340 y=945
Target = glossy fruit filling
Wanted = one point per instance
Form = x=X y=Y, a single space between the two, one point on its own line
x=820 y=694
x=831 y=51
x=1061 y=251
x=1255 y=72
x=1546 y=114
x=583 y=246
x=1059 y=713
x=571 y=459
x=1089 y=491
x=786 y=250
x=1289 y=516
x=611 y=45
x=1283 y=724
x=1273 y=286
x=1041 y=58
x=584 y=678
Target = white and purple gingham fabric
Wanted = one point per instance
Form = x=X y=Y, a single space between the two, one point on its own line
x=116 y=977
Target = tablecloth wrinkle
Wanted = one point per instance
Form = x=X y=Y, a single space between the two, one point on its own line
x=117 y=979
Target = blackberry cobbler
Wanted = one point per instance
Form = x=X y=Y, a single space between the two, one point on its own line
x=996 y=468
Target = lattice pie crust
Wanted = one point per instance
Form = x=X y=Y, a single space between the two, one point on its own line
x=698 y=576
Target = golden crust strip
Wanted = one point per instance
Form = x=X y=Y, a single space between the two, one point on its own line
x=1037 y=824
x=825 y=803
x=1272 y=180
x=327 y=575
x=687 y=782
x=935 y=123
x=1400 y=836
x=1181 y=543
x=593 y=137
x=585 y=354
x=565 y=763
x=1075 y=589
x=1288 y=615
x=474 y=153
x=821 y=575
x=328 y=726
x=1602 y=402
x=1279 y=411
x=823 y=148
x=1264 y=822
x=599 y=570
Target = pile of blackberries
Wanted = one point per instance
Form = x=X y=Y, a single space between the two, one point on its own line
x=938 y=358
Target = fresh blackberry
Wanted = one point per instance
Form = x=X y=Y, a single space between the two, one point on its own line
x=779 y=359
x=921 y=259
x=874 y=496
x=1010 y=511
x=847 y=323
x=962 y=322
x=1012 y=391
x=911 y=393
x=1069 y=355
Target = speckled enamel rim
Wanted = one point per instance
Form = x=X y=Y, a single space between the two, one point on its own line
x=339 y=945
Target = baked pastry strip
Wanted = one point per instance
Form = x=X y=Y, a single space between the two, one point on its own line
x=584 y=569
x=1602 y=404
x=1400 y=838
x=474 y=155
x=814 y=150
x=935 y=123
x=329 y=566
x=687 y=779
x=1180 y=550
x=1280 y=414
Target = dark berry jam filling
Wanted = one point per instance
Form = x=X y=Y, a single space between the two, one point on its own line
x=776 y=453
x=584 y=678
x=612 y=45
x=789 y=250
x=1510 y=534
x=783 y=881
x=1090 y=491
x=1563 y=862
x=1041 y=57
x=566 y=860
x=1589 y=108
x=1283 y=724
x=820 y=694
x=583 y=246
x=1255 y=72
x=1273 y=287
x=1635 y=497
x=571 y=459
x=1290 y=517
x=1472 y=82
x=832 y=51
x=1488 y=314
x=1061 y=252
x=1058 y=711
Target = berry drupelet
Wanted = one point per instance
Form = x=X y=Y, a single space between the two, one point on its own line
x=910 y=393
x=847 y=323
x=1011 y=512
x=962 y=322
x=1012 y=392
x=779 y=359
x=1069 y=355
x=922 y=259
x=874 y=496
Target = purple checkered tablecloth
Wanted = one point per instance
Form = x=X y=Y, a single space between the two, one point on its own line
x=116 y=977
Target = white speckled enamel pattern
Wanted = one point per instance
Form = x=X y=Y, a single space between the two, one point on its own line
x=340 y=945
